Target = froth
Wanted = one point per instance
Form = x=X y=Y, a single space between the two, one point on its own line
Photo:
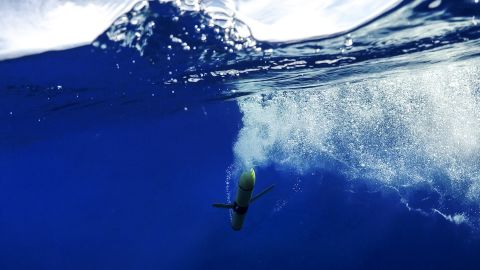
x=421 y=125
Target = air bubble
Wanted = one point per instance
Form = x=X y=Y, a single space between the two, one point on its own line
x=434 y=4
x=141 y=6
x=348 y=41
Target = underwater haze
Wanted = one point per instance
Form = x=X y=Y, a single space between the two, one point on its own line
x=122 y=122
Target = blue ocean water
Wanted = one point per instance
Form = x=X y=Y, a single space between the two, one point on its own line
x=112 y=153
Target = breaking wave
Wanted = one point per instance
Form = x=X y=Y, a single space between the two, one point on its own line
x=30 y=27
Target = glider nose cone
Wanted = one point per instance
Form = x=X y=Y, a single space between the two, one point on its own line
x=247 y=180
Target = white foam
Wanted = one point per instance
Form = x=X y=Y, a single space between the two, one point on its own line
x=286 y=20
x=455 y=218
x=418 y=125
x=34 y=26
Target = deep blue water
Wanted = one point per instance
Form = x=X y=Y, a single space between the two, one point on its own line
x=111 y=154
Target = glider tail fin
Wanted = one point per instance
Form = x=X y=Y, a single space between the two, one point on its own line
x=222 y=205
x=265 y=191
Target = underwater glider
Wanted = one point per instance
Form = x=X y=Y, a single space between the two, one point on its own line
x=243 y=199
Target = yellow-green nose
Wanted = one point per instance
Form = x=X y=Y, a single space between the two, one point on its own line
x=247 y=180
